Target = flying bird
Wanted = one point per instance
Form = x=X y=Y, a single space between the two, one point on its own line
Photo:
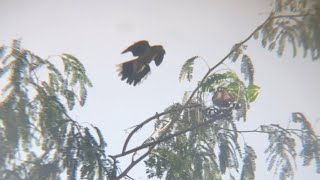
x=133 y=71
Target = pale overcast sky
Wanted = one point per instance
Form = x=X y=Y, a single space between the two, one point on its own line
x=97 y=31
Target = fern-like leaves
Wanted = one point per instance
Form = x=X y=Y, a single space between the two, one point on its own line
x=249 y=164
x=76 y=76
x=187 y=69
x=229 y=149
x=34 y=105
x=310 y=142
x=247 y=69
x=281 y=152
x=300 y=28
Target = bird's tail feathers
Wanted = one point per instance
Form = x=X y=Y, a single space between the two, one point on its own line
x=134 y=71
x=142 y=75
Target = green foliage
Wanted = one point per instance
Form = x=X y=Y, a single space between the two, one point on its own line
x=249 y=164
x=310 y=142
x=228 y=147
x=247 y=69
x=237 y=88
x=252 y=92
x=296 y=23
x=238 y=50
x=188 y=156
x=216 y=80
x=281 y=151
x=76 y=75
x=192 y=155
x=187 y=69
x=278 y=32
x=292 y=6
x=38 y=138
x=92 y=156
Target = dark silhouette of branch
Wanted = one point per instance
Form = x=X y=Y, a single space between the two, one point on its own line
x=293 y=15
x=157 y=115
x=153 y=143
x=133 y=163
x=198 y=126
x=288 y=130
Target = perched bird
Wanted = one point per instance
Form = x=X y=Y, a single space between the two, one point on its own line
x=223 y=99
x=139 y=68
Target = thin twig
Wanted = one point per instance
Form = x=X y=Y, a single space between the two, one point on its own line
x=133 y=163
x=157 y=115
x=164 y=139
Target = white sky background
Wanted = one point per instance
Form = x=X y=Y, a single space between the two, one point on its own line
x=97 y=31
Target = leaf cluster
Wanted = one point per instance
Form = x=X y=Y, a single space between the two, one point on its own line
x=295 y=23
x=202 y=153
x=38 y=138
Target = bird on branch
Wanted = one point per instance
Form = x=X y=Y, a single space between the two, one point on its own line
x=222 y=98
x=136 y=69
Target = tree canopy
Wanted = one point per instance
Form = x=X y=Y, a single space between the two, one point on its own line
x=197 y=138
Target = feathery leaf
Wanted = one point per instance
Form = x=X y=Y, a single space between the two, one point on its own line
x=187 y=69
x=249 y=164
x=247 y=69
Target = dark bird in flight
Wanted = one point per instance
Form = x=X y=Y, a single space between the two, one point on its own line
x=139 y=68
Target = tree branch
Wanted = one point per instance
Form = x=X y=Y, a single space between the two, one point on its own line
x=154 y=143
x=166 y=137
x=268 y=132
x=293 y=15
x=157 y=115
x=133 y=163
x=228 y=55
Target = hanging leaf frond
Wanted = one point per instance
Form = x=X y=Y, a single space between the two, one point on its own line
x=187 y=69
x=249 y=164
x=247 y=69
x=300 y=29
x=34 y=119
x=310 y=143
x=237 y=52
x=281 y=151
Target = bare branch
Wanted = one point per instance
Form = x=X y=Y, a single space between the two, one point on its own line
x=133 y=163
x=156 y=116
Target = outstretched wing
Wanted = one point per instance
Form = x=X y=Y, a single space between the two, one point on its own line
x=138 y=48
x=135 y=70
x=159 y=54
